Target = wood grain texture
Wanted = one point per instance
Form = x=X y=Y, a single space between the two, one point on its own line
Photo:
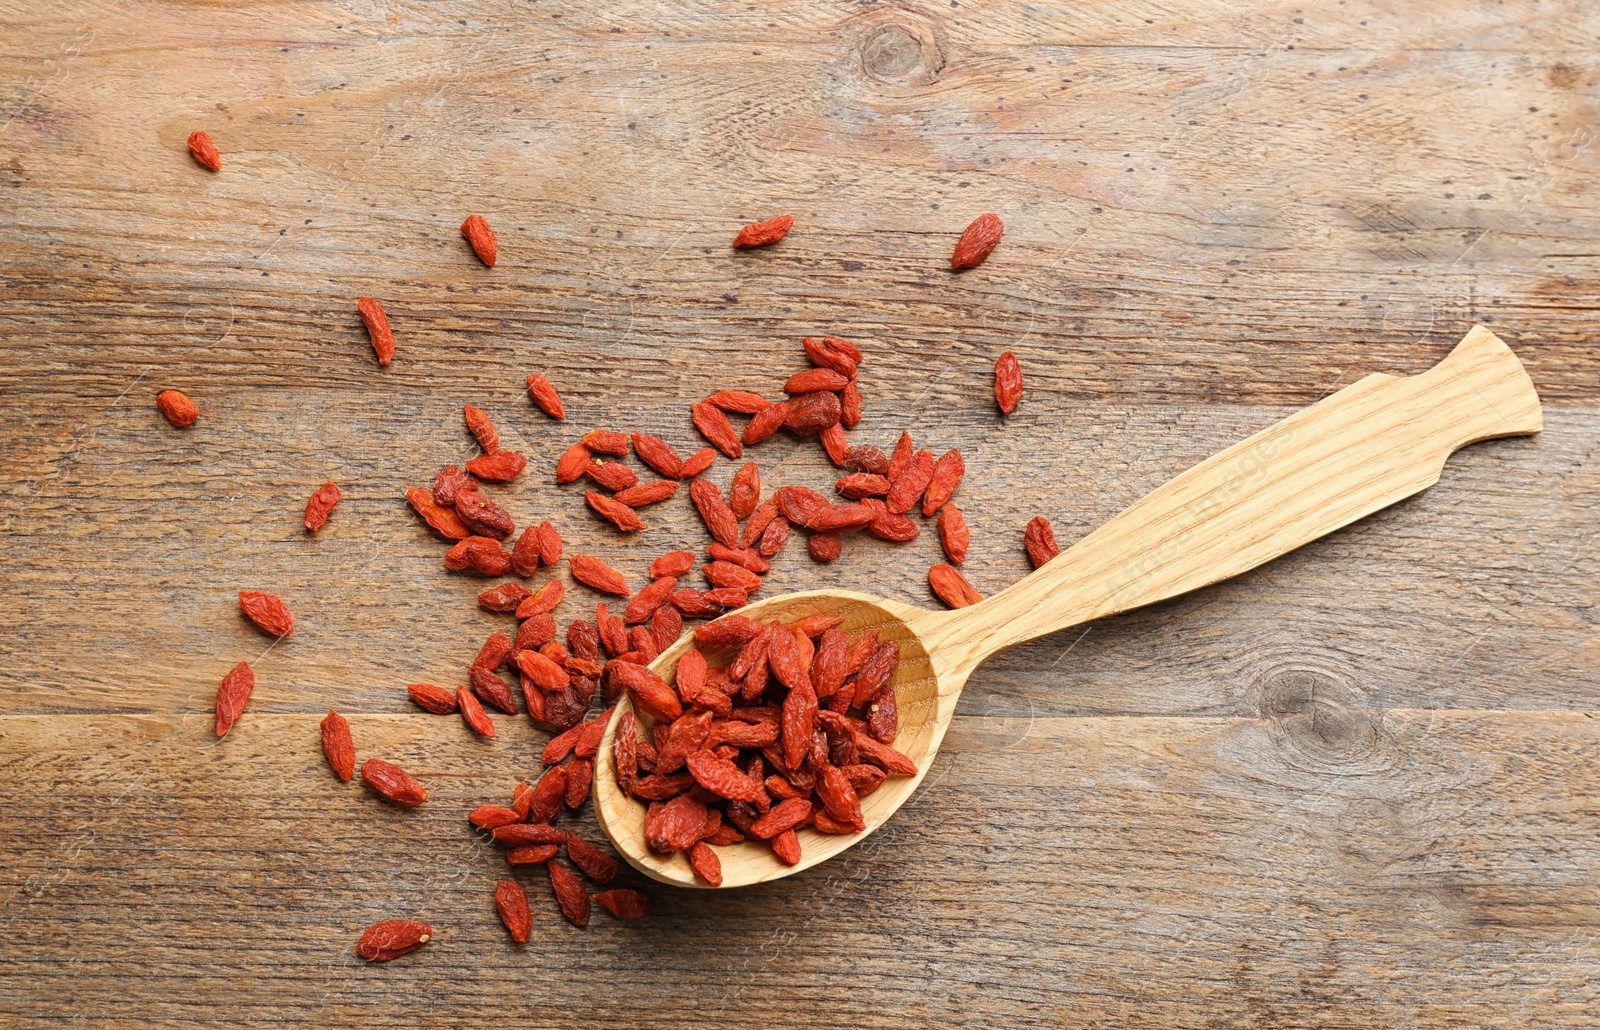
x=1351 y=787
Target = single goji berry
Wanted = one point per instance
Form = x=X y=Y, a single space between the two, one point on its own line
x=537 y=832
x=744 y=492
x=850 y=405
x=746 y=557
x=646 y=601
x=483 y=516
x=824 y=547
x=437 y=700
x=590 y=860
x=377 y=322
x=525 y=555
x=481 y=238
x=597 y=575
x=547 y=674
x=472 y=713
x=607 y=441
x=716 y=428
x=866 y=458
x=572 y=463
x=742 y=402
x=666 y=626
x=785 y=815
x=490 y=817
x=1007 y=382
x=392 y=938
x=834 y=443
x=759 y=234
x=511 y=901
x=673 y=563
x=321 y=505
x=504 y=598
x=714 y=510
x=773 y=537
x=580 y=776
x=658 y=454
x=549 y=545
x=268 y=612
x=618 y=514
x=1039 y=540
x=480 y=554
x=443 y=521
x=951 y=587
x=705 y=863
x=570 y=893
x=653 y=492
x=337 y=745
x=862 y=484
x=545 y=396
x=977 y=240
x=766 y=422
x=178 y=408
x=649 y=693
x=542 y=601
x=697 y=462
x=811 y=413
x=204 y=151
x=611 y=474
x=393 y=783
x=499 y=467
x=953 y=534
x=624 y=904
x=906 y=488
x=814 y=380
x=944 y=481
x=841 y=517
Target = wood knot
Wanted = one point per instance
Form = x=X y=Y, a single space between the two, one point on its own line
x=898 y=46
x=1321 y=720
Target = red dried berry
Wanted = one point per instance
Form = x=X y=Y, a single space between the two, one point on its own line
x=1039 y=540
x=597 y=575
x=645 y=602
x=823 y=355
x=625 y=904
x=834 y=443
x=542 y=601
x=653 y=492
x=742 y=402
x=549 y=545
x=178 y=408
x=673 y=563
x=649 y=693
x=618 y=514
x=811 y=413
x=697 y=462
x=393 y=783
x=953 y=534
x=204 y=151
x=511 y=901
x=490 y=817
x=268 y=612
x=715 y=427
x=570 y=893
x=437 y=700
x=377 y=322
x=545 y=396
x=504 y=598
x=745 y=490
x=499 y=467
x=814 y=380
x=723 y=574
x=862 y=484
x=866 y=458
x=321 y=505
x=1007 y=382
x=903 y=450
x=705 y=863
x=480 y=554
x=607 y=441
x=525 y=555
x=532 y=854
x=658 y=454
x=337 y=745
x=747 y=557
x=537 y=832
x=842 y=517
x=491 y=689
x=545 y=673
x=850 y=405
x=759 y=234
x=481 y=238
x=611 y=474
x=906 y=488
x=944 y=482
x=951 y=587
x=721 y=777
x=493 y=652
x=572 y=463
x=392 y=938
x=824 y=547
x=580 y=776
x=977 y=241
x=714 y=510
x=483 y=516
x=784 y=816
x=773 y=537
x=472 y=713
x=767 y=421
x=666 y=626
x=443 y=521
x=590 y=860
x=482 y=428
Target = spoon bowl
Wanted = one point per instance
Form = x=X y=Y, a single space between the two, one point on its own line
x=1371 y=444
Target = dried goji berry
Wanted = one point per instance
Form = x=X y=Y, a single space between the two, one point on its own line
x=483 y=516
x=745 y=490
x=590 y=860
x=392 y=938
x=767 y=421
x=798 y=503
x=611 y=474
x=393 y=783
x=906 y=488
x=548 y=795
x=697 y=462
x=811 y=413
x=511 y=901
x=876 y=671
x=533 y=854
x=443 y=521
x=437 y=700
x=549 y=545
x=503 y=598
x=580 y=776
x=741 y=401
x=653 y=492
x=607 y=441
x=613 y=633
x=480 y=554
x=321 y=505
x=178 y=408
x=494 y=651
x=547 y=674
x=834 y=443
x=472 y=713
x=726 y=597
x=658 y=454
x=204 y=151
x=377 y=322
x=525 y=555
x=814 y=379
x=824 y=355
x=1007 y=382
x=977 y=240
x=716 y=428
x=268 y=612
x=824 y=547
x=692 y=604
x=841 y=517
x=759 y=234
x=705 y=863
x=671 y=564
x=951 y=587
x=747 y=557
x=618 y=514
x=646 y=601
x=862 y=484
x=675 y=825
x=649 y=693
x=946 y=478
x=545 y=396
x=721 y=776
x=543 y=601
x=481 y=238
x=727 y=574
x=785 y=815
x=850 y=405
x=953 y=534
x=728 y=631
x=499 y=467
x=890 y=525
x=773 y=537
x=538 y=832
x=597 y=575
x=570 y=893
x=489 y=817
x=337 y=745
x=624 y=904
x=573 y=461
x=1039 y=539
x=714 y=510
x=903 y=450
x=666 y=626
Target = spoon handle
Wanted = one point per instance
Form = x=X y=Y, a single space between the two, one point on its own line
x=1367 y=446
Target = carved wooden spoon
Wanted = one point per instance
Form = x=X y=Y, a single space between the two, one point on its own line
x=1361 y=449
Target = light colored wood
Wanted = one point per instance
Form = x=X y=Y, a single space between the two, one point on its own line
x=1371 y=444
x=1349 y=788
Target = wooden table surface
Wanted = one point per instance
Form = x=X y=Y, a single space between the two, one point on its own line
x=1352 y=788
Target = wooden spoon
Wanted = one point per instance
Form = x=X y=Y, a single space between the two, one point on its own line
x=1365 y=447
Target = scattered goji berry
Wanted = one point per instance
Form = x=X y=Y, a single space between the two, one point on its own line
x=549 y=545
x=977 y=240
x=653 y=492
x=337 y=745
x=766 y=422
x=443 y=521
x=624 y=904
x=697 y=462
x=946 y=478
x=811 y=413
x=744 y=492
x=714 y=510
x=321 y=505
x=951 y=587
x=391 y=938
x=953 y=534
x=178 y=408
x=742 y=402
x=570 y=893
x=437 y=700
x=481 y=238
x=705 y=863
x=545 y=396
x=499 y=467
x=480 y=554
x=1007 y=382
x=483 y=516
x=716 y=428
x=1039 y=540
x=570 y=466
x=503 y=598
x=377 y=322
x=597 y=575
x=759 y=234
x=511 y=901
x=268 y=612
x=590 y=860
x=607 y=441
x=204 y=151
x=473 y=714
x=393 y=783
x=906 y=488
x=618 y=514
x=824 y=547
